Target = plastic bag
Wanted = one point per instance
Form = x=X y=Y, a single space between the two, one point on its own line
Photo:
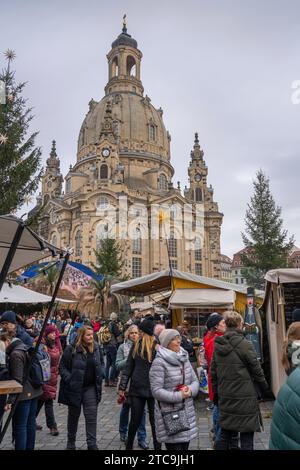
x=202 y=375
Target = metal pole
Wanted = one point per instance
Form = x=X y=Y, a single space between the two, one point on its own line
x=11 y=253
x=3 y=432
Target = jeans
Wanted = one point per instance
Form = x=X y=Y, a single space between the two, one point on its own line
x=90 y=407
x=216 y=425
x=110 y=369
x=177 y=445
x=23 y=422
x=124 y=418
x=137 y=410
x=49 y=412
x=229 y=440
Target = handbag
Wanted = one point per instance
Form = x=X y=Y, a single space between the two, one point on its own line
x=176 y=421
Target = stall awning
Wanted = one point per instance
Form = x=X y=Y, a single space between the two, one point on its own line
x=30 y=248
x=286 y=275
x=20 y=295
x=193 y=298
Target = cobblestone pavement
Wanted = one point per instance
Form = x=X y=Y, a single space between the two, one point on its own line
x=108 y=424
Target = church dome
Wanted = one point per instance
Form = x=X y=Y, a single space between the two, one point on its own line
x=138 y=124
x=124 y=39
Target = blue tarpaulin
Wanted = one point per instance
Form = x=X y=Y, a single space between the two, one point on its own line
x=37 y=269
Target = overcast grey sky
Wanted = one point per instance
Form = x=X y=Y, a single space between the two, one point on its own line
x=224 y=68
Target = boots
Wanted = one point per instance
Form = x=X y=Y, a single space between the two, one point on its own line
x=71 y=445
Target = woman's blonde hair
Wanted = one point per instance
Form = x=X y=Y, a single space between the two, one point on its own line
x=79 y=339
x=293 y=333
x=232 y=319
x=129 y=330
x=147 y=345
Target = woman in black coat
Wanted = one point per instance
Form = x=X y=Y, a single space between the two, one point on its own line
x=136 y=371
x=81 y=370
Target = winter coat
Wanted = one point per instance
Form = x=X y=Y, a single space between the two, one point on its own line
x=188 y=345
x=286 y=415
x=50 y=388
x=209 y=344
x=165 y=374
x=72 y=370
x=17 y=362
x=116 y=333
x=137 y=371
x=232 y=380
x=122 y=356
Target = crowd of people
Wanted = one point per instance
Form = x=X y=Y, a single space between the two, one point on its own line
x=154 y=368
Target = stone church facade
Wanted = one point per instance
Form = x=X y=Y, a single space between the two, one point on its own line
x=124 y=160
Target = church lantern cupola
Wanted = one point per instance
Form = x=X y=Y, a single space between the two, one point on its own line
x=124 y=64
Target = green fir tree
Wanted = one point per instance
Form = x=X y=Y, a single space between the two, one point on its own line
x=20 y=160
x=109 y=261
x=267 y=243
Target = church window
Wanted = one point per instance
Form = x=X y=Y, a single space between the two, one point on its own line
x=172 y=245
x=136 y=267
x=162 y=182
x=198 y=269
x=78 y=243
x=173 y=263
x=115 y=67
x=102 y=203
x=102 y=232
x=198 y=194
x=152 y=132
x=68 y=186
x=134 y=89
x=54 y=240
x=104 y=172
x=131 y=66
x=137 y=243
x=198 y=252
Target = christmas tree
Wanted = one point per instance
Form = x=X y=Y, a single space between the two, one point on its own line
x=19 y=158
x=109 y=261
x=266 y=242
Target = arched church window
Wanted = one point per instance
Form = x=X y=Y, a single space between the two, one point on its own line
x=198 y=194
x=162 y=182
x=137 y=243
x=104 y=172
x=78 y=243
x=131 y=66
x=115 y=67
x=54 y=240
x=152 y=132
x=102 y=203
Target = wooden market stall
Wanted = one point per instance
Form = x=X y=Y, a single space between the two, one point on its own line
x=281 y=297
x=192 y=297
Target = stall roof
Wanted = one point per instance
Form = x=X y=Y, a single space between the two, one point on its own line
x=20 y=295
x=31 y=247
x=161 y=281
x=283 y=275
x=193 y=298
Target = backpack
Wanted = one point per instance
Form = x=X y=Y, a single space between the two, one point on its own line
x=40 y=370
x=104 y=335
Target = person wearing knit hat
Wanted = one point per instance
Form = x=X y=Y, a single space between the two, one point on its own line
x=51 y=341
x=173 y=381
x=166 y=336
x=139 y=362
x=8 y=322
x=216 y=327
x=147 y=326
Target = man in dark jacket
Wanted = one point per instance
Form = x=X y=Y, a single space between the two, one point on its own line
x=234 y=369
x=8 y=322
x=23 y=421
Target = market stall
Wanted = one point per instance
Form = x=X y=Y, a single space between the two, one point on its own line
x=281 y=297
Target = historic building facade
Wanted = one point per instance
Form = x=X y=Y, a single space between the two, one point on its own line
x=124 y=155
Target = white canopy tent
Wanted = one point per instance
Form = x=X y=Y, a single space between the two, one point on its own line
x=20 y=295
x=193 y=298
x=30 y=248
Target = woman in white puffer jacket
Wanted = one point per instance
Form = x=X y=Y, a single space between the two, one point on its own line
x=169 y=367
